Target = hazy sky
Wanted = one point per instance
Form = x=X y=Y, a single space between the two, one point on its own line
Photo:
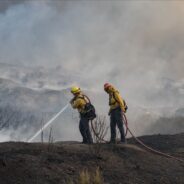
x=137 y=45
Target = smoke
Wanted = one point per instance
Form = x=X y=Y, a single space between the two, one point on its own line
x=137 y=46
x=4 y=5
x=131 y=44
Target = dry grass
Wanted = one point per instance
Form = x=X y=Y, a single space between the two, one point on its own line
x=86 y=177
x=51 y=146
x=98 y=178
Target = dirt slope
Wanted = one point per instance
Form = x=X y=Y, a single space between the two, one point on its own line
x=36 y=163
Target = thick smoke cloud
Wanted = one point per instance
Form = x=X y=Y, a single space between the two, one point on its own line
x=138 y=46
x=5 y=4
x=132 y=44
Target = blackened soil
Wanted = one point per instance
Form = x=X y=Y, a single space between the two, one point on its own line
x=36 y=163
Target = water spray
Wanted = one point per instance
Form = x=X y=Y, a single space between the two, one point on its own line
x=49 y=122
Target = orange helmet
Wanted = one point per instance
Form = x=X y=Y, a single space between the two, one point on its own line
x=106 y=86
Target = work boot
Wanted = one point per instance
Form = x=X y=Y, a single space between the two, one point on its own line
x=112 y=142
x=123 y=142
x=84 y=142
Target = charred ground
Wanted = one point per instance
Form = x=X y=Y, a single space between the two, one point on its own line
x=55 y=163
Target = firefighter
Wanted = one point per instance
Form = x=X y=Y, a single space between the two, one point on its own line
x=117 y=107
x=81 y=102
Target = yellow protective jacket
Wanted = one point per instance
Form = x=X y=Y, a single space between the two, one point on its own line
x=115 y=99
x=79 y=102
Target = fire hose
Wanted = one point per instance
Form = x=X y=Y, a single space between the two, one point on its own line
x=138 y=140
x=97 y=135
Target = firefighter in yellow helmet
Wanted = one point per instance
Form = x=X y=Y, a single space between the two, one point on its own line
x=87 y=112
x=117 y=106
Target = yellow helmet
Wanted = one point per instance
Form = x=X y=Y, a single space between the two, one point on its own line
x=75 y=90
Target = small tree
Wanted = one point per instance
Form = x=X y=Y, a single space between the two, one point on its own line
x=99 y=131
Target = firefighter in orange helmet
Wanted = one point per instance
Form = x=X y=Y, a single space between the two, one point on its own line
x=117 y=106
